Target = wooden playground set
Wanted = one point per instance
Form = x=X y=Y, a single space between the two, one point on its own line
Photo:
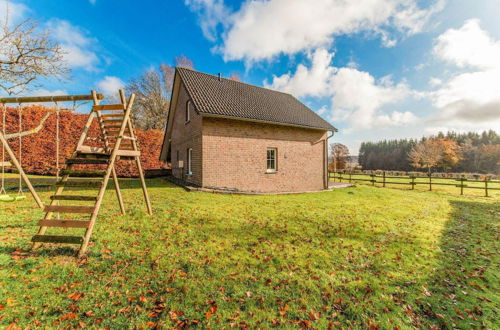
x=117 y=140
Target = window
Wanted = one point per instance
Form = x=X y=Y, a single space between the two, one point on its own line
x=189 y=105
x=272 y=159
x=189 y=161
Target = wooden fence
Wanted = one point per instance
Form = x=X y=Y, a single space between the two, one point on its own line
x=485 y=184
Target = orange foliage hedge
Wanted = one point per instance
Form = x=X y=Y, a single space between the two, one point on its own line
x=39 y=150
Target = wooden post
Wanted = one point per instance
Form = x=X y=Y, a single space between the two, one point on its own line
x=412 y=182
x=383 y=182
x=137 y=159
x=486 y=186
x=461 y=186
x=23 y=175
x=373 y=178
x=340 y=176
x=430 y=181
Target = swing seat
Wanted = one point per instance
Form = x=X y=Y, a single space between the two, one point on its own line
x=9 y=198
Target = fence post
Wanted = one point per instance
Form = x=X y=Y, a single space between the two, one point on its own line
x=412 y=182
x=486 y=186
x=350 y=176
x=383 y=182
x=373 y=178
x=340 y=176
x=430 y=181
x=461 y=185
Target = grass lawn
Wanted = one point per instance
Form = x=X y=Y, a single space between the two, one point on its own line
x=355 y=257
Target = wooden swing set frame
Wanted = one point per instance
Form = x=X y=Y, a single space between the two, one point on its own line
x=34 y=99
x=120 y=142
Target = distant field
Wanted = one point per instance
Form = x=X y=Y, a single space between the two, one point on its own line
x=358 y=257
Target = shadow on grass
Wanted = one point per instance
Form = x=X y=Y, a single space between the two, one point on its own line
x=462 y=291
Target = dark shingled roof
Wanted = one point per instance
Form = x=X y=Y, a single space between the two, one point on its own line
x=231 y=98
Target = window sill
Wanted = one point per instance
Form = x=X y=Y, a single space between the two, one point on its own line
x=271 y=172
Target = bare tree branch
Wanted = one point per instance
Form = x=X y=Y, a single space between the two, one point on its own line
x=26 y=55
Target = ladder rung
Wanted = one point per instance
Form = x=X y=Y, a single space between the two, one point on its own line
x=105 y=121
x=111 y=126
x=69 y=209
x=64 y=223
x=80 y=184
x=84 y=173
x=57 y=239
x=73 y=198
x=129 y=153
x=108 y=107
x=90 y=150
x=112 y=115
x=87 y=161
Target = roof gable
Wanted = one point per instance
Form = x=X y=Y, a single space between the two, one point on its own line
x=229 y=98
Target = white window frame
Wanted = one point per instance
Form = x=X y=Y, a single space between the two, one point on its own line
x=272 y=160
x=188 y=112
x=189 y=161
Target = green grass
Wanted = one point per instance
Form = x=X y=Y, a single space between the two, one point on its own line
x=355 y=257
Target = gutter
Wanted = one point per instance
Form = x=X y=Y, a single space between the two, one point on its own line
x=327 y=179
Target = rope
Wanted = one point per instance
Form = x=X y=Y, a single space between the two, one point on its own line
x=57 y=139
x=57 y=148
x=4 y=114
x=20 y=110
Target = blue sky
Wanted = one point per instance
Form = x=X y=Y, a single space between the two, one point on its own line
x=374 y=68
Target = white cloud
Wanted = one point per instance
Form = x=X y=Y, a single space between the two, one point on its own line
x=110 y=85
x=357 y=97
x=260 y=30
x=313 y=81
x=469 y=97
x=14 y=11
x=75 y=43
x=211 y=13
x=469 y=46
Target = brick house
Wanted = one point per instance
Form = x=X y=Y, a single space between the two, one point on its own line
x=226 y=134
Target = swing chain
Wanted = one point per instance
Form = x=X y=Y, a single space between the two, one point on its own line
x=20 y=110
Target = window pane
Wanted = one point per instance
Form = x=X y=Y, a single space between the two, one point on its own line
x=271 y=159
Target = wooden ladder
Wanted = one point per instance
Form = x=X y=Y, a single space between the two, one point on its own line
x=119 y=142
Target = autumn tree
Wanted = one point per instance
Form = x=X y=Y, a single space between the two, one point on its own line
x=426 y=154
x=450 y=153
x=340 y=156
x=235 y=76
x=153 y=90
x=26 y=55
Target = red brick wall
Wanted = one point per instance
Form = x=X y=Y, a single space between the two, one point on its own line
x=184 y=136
x=234 y=156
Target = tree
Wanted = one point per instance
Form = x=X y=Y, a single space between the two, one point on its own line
x=153 y=90
x=450 y=153
x=234 y=76
x=26 y=55
x=340 y=156
x=427 y=154
x=490 y=158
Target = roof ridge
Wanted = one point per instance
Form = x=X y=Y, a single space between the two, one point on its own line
x=234 y=81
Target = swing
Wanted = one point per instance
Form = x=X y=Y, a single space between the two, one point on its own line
x=4 y=197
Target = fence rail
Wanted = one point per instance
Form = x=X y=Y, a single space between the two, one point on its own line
x=372 y=178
